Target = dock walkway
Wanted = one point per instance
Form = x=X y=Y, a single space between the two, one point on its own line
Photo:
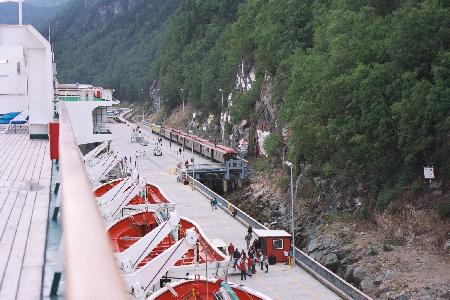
x=25 y=172
x=281 y=282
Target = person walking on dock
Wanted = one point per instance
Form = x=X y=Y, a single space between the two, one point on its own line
x=254 y=265
x=249 y=266
x=248 y=238
x=250 y=229
x=243 y=269
x=261 y=260
x=236 y=256
x=266 y=263
x=215 y=202
x=231 y=250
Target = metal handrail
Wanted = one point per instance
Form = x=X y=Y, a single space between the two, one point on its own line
x=90 y=266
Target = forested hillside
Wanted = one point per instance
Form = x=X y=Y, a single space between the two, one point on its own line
x=33 y=13
x=362 y=86
x=110 y=42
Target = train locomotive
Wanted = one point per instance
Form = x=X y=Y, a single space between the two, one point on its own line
x=203 y=147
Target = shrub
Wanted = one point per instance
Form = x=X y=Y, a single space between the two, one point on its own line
x=388 y=194
x=373 y=251
x=443 y=210
x=387 y=247
x=272 y=144
x=261 y=164
x=283 y=182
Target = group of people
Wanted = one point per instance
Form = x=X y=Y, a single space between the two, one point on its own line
x=139 y=154
x=246 y=262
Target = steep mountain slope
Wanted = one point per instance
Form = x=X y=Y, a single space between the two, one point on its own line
x=361 y=88
x=110 y=42
x=47 y=3
x=35 y=15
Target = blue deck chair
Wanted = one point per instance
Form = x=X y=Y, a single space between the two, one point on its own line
x=12 y=118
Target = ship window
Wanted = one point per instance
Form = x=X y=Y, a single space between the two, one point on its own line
x=277 y=244
x=99 y=115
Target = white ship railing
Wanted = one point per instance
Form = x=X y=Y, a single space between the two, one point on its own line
x=90 y=266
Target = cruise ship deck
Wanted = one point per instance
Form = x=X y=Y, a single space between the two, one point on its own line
x=25 y=173
x=281 y=282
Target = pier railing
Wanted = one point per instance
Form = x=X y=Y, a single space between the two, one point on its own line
x=310 y=265
x=90 y=266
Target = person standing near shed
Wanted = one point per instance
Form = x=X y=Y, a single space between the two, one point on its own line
x=266 y=263
x=243 y=269
x=231 y=250
x=248 y=238
x=261 y=260
x=236 y=256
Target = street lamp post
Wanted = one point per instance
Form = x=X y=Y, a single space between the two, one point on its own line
x=193 y=161
x=222 y=116
x=143 y=106
x=289 y=164
x=159 y=99
x=182 y=98
x=221 y=91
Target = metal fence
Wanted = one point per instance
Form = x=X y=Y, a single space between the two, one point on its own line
x=90 y=266
x=321 y=273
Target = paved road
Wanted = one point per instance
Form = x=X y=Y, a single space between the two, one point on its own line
x=282 y=282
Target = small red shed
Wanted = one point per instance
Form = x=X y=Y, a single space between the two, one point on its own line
x=274 y=243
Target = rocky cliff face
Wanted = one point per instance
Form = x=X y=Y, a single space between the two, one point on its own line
x=105 y=12
x=387 y=255
x=249 y=134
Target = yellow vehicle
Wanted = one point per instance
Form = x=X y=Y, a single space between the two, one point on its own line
x=156 y=128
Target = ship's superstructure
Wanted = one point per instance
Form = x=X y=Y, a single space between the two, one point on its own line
x=26 y=76
x=87 y=107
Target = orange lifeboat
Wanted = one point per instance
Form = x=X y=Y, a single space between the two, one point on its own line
x=128 y=230
x=206 y=289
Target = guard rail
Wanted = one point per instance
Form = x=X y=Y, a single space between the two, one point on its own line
x=313 y=267
x=90 y=267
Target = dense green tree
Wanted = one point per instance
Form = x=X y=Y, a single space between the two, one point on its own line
x=362 y=86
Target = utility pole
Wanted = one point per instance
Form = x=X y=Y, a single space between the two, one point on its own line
x=289 y=164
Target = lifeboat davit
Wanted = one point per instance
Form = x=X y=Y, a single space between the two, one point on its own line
x=103 y=189
x=154 y=193
x=123 y=196
x=206 y=289
x=129 y=229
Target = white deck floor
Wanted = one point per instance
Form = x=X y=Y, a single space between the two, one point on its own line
x=282 y=282
x=25 y=171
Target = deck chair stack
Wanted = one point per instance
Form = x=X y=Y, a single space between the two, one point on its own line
x=12 y=118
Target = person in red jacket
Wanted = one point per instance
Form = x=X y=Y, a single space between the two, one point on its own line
x=231 y=250
x=249 y=266
x=243 y=269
